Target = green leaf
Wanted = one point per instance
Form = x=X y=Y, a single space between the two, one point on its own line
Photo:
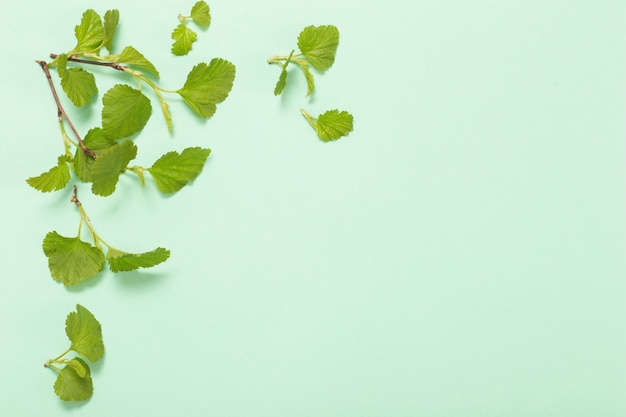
x=207 y=85
x=123 y=261
x=79 y=85
x=331 y=125
x=80 y=369
x=90 y=32
x=133 y=57
x=282 y=82
x=97 y=142
x=109 y=165
x=71 y=260
x=70 y=386
x=173 y=171
x=200 y=13
x=111 y=19
x=310 y=82
x=61 y=62
x=85 y=333
x=183 y=39
x=126 y=111
x=319 y=45
x=53 y=180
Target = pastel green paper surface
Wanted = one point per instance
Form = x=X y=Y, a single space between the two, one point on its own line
x=460 y=253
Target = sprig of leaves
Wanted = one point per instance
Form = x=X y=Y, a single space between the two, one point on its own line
x=182 y=35
x=318 y=47
x=72 y=260
x=331 y=125
x=74 y=382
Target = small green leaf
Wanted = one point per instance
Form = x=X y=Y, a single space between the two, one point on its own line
x=70 y=386
x=200 y=13
x=109 y=165
x=207 y=85
x=71 y=260
x=173 y=171
x=319 y=45
x=310 y=81
x=123 y=261
x=61 y=62
x=331 y=125
x=79 y=85
x=85 y=333
x=126 y=111
x=183 y=39
x=53 y=180
x=81 y=370
x=90 y=32
x=111 y=19
x=282 y=82
x=97 y=142
x=133 y=57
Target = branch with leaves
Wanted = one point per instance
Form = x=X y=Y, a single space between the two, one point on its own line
x=182 y=35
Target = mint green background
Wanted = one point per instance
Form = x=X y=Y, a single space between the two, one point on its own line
x=461 y=253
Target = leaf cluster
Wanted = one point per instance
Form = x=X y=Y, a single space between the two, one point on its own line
x=74 y=382
x=182 y=35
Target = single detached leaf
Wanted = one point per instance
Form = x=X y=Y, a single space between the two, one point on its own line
x=183 y=39
x=70 y=386
x=331 y=125
x=207 y=85
x=78 y=366
x=97 y=142
x=53 y=180
x=90 y=32
x=107 y=168
x=126 y=111
x=200 y=13
x=173 y=171
x=85 y=333
x=79 y=85
x=123 y=261
x=71 y=260
x=133 y=57
x=111 y=19
x=319 y=45
x=282 y=82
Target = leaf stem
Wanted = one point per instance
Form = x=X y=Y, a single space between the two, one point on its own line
x=97 y=239
x=312 y=120
x=61 y=114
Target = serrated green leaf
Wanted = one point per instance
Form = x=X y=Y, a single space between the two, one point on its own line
x=53 y=180
x=310 y=81
x=79 y=85
x=108 y=166
x=85 y=333
x=319 y=45
x=80 y=370
x=111 y=19
x=333 y=125
x=70 y=386
x=133 y=57
x=282 y=82
x=207 y=85
x=126 y=111
x=173 y=171
x=71 y=260
x=90 y=32
x=97 y=142
x=165 y=108
x=61 y=63
x=183 y=39
x=123 y=261
x=200 y=13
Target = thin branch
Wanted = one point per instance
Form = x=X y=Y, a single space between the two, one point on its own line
x=75 y=199
x=61 y=112
x=99 y=63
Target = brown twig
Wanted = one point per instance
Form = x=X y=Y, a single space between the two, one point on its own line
x=99 y=63
x=61 y=112
x=75 y=199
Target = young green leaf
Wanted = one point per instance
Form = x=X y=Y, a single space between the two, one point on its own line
x=207 y=85
x=97 y=142
x=124 y=261
x=111 y=19
x=107 y=168
x=126 y=111
x=71 y=260
x=85 y=333
x=310 y=81
x=80 y=369
x=319 y=45
x=53 y=180
x=131 y=56
x=90 y=32
x=79 y=85
x=173 y=171
x=183 y=39
x=282 y=82
x=200 y=13
x=70 y=386
x=331 y=125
